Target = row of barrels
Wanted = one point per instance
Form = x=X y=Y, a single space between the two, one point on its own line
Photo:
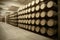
x=43 y=22
x=43 y=14
x=12 y=19
x=41 y=30
x=39 y=16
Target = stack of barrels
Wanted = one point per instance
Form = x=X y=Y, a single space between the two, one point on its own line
x=39 y=16
x=13 y=19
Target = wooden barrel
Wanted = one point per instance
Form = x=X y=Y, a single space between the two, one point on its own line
x=51 y=4
x=29 y=15
x=33 y=2
x=33 y=9
x=37 y=15
x=51 y=32
x=26 y=27
x=37 y=1
x=26 y=21
x=43 y=22
x=43 y=30
x=42 y=6
x=29 y=5
x=51 y=22
x=33 y=21
x=29 y=27
x=51 y=13
x=33 y=28
x=26 y=10
x=26 y=16
x=43 y=14
x=37 y=29
x=37 y=22
x=37 y=7
x=33 y=15
x=29 y=21
x=29 y=10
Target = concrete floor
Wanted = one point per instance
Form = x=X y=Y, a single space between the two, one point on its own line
x=9 y=32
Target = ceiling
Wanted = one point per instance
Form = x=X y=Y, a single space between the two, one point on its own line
x=20 y=1
x=6 y=5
